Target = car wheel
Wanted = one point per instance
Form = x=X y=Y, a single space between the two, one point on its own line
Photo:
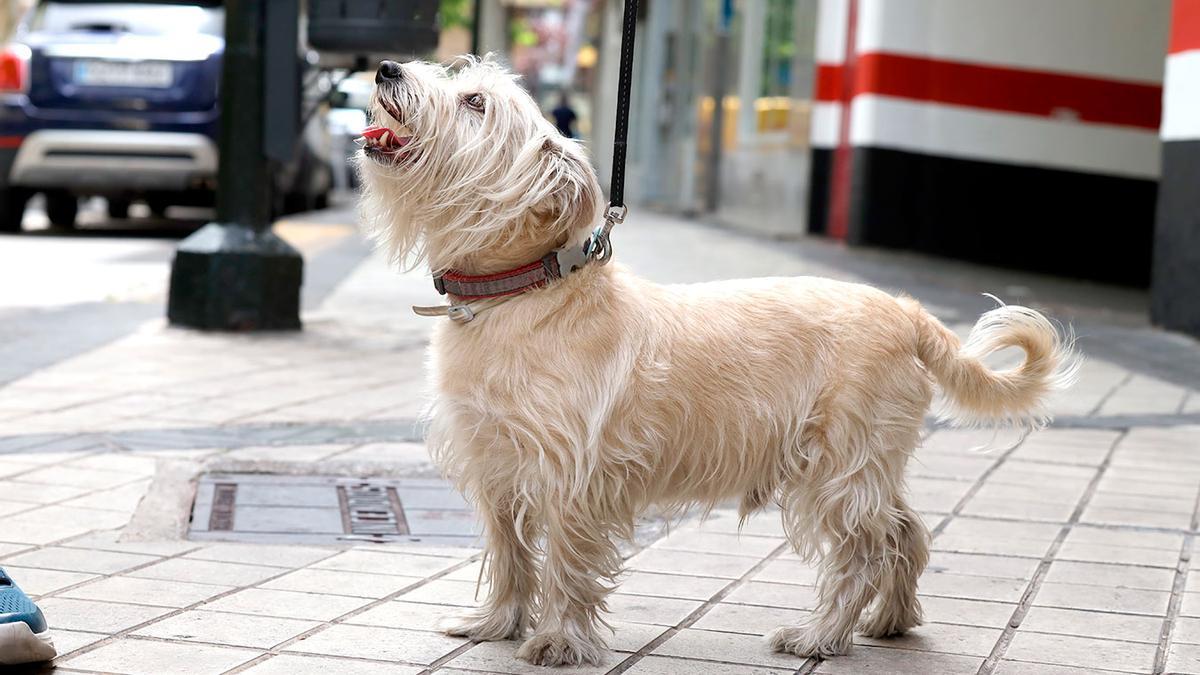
x=61 y=208
x=118 y=209
x=12 y=208
x=158 y=206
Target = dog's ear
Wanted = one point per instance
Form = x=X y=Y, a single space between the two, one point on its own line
x=551 y=178
x=573 y=199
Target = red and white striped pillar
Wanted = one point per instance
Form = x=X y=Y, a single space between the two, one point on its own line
x=1020 y=133
x=1176 y=286
x=832 y=91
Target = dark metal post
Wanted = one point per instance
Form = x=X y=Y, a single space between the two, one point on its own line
x=1175 y=290
x=235 y=273
x=720 y=84
x=476 y=22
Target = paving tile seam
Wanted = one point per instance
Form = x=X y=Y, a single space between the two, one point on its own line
x=750 y=535
x=1059 y=665
x=97 y=453
x=173 y=641
x=37 y=444
x=261 y=658
x=970 y=493
x=1120 y=527
x=406 y=429
x=734 y=556
x=176 y=612
x=232 y=437
x=341 y=619
x=202 y=643
x=1110 y=393
x=967 y=573
x=332 y=657
x=147 y=390
x=1179 y=587
x=158 y=559
x=447 y=658
x=809 y=666
x=1095 y=637
x=1108 y=612
x=684 y=659
x=63 y=502
x=101 y=576
x=1006 y=637
x=699 y=612
x=315 y=399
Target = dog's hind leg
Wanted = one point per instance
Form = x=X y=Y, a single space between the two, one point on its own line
x=838 y=508
x=580 y=566
x=896 y=606
x=510 y=571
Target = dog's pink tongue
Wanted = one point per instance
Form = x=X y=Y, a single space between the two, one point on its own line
x=384 y=137
x=374 y=132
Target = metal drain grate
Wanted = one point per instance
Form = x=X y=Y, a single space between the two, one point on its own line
x=266 y=508
x=224 y=499
x=371 y=510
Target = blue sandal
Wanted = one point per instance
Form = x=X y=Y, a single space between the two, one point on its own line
x=24 y=635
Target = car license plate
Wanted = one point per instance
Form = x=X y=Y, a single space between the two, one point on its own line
x=157 y=74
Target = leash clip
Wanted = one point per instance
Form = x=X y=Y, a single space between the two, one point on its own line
x=601 y=246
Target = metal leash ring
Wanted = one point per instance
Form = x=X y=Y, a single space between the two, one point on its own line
x=601 y=248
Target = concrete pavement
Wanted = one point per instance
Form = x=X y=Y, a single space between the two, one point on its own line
x=1069 y=553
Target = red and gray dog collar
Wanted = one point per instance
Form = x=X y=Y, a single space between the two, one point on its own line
x=466 y=287
x=470 y=294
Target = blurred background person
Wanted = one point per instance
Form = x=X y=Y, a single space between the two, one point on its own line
x=564 y=115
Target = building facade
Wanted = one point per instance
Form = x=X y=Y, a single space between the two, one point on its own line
x=1019 y=133
x=1060 y=137
x=744 y=162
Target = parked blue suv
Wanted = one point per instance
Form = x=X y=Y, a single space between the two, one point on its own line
x=120 y=99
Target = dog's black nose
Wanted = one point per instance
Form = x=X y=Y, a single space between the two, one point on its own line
x=388 y=70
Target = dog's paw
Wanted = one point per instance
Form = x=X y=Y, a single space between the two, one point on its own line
x=559 y=649
x=885 y=624
x=487 y=625
x=807 y=641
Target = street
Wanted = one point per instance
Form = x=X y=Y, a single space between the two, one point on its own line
x=1068 y=553
x=83 y=287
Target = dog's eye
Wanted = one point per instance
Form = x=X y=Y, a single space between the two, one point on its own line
x=474 y=100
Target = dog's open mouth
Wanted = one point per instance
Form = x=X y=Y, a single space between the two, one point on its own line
x=383 y=143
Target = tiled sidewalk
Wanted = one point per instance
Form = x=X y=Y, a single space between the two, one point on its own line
x=1083 y=537
x=1071 y=553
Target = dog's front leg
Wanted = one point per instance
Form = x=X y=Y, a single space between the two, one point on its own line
x=580 y=558
x=510 y=570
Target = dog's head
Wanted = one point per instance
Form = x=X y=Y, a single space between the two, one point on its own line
x=460 y=168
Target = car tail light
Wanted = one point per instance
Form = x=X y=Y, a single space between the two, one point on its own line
x=14 y=69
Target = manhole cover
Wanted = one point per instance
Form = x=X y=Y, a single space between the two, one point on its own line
x=266 y=508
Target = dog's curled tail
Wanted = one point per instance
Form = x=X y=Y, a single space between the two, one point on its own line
x=976 y=395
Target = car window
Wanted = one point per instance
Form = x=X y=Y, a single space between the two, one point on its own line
x=128 y=17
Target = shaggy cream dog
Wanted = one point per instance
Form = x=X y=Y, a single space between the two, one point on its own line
x=566 y=411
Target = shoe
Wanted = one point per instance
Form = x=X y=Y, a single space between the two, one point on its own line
x=24 y=635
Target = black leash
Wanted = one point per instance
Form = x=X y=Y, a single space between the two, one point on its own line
x=625 y=83
x=601 y=248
